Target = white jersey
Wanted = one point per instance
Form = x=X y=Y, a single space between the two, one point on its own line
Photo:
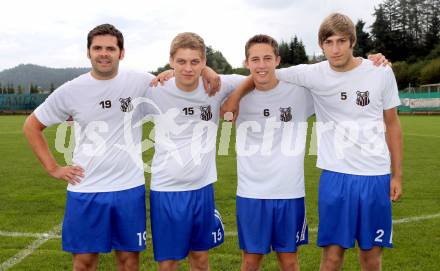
x=185 y=134
x=110 y=156
x=349 y=111
x=270 y=142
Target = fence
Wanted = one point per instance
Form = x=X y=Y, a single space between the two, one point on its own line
x=21 y=102
x=424 y=102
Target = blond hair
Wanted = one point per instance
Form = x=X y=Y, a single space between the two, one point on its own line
x=188 y=40
x=337 y=23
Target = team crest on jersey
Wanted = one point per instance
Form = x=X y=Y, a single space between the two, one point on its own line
x=206 y=113
x=126 y=105
x=285 y=114
x=363 y=98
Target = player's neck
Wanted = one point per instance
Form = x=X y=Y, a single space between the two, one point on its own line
x=352 y=63
x=103 y=76
x=187 y=87
x=266 y=86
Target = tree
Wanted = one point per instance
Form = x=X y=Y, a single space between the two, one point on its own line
x=19 y=89
x=242 y=71
x=432 y=22
x=406 y=29
x=387 y=34
x=363 y=40
x=297 y=53
x=381 y=31
x=33 y=89
x=11 y=88
x=162 y=69
x=430 y=72
x=216 y=61
x=283 y=49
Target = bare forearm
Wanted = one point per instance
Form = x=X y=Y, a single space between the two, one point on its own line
x=39 y=145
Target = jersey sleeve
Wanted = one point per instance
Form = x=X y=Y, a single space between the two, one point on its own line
x=228 y=84
x=298 y=75
x=146 y=105
x=390 y=92
x=55 y=109
x=310 y=108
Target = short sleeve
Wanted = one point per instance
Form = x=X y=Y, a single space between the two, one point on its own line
x=55 y=108
x=390 y=92
x=147 y=103
x=229 y=83
x=297 y=75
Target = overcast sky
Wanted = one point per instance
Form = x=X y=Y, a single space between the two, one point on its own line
x=53 y=33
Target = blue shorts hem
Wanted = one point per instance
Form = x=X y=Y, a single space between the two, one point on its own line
x=290 y=250
x=207 y=247
x=344 y=246
x=375 y=245
x=85 y=251
x=256 y=251
x=130 y=249
x=170 y=258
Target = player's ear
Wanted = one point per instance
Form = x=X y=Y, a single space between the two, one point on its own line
x=122 y=54
x=277 y=60
x=88 y=54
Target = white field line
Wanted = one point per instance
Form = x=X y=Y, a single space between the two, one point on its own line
x=22 y=254
x=54 y=234
x=395 y=222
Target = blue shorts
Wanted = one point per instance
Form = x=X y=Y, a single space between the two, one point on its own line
x=263 y=224
x=184 y=221
x=354 y=207
x=100 y=222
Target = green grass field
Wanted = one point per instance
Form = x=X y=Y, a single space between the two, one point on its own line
x=31 y=202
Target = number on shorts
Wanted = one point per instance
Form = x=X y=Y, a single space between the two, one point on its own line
x=142 y=237
x=379 y=233
x=297 y=236
x=217 y=236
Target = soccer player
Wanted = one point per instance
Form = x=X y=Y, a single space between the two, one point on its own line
x=360 y=158
x=105 y=206
x=271 y=139
x=184 y=221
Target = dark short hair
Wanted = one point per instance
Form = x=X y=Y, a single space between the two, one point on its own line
x=105 y=29
x=262 y=39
